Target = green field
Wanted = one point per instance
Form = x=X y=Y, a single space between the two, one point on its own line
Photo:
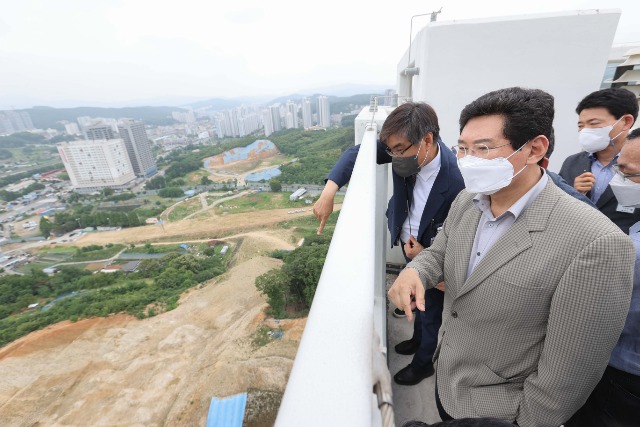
x=185 y=209
x=260 y=201
x=97 y=254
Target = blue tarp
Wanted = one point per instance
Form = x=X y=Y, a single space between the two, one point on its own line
x=227 y=412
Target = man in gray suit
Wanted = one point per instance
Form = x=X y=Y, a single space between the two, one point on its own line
x=538 y=283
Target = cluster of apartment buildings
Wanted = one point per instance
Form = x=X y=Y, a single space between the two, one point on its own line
x=107 y=157
x=243 y=121
x=14 y=121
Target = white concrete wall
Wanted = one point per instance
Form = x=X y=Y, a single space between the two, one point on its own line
x=562 y=53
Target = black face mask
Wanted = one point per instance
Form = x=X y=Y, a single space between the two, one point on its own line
x=408 y=166
x=405 y=166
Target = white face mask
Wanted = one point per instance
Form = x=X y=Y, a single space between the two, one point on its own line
x=486 y=176
x=593 y=140
x=627 y=192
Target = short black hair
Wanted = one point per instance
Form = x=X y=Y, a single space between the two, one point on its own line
x=616 y=100
x=412 y=120
x=633 y=134
x=527 y=113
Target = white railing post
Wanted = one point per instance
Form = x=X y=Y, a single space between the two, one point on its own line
x=331 y=383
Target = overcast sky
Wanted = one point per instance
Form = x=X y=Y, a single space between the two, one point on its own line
x=115 y=52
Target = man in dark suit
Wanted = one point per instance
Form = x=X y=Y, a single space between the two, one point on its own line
x=605 y=117
x=426 y=180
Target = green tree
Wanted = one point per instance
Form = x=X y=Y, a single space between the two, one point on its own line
x=304 y=266
x=156 y=183
x=171 y=192
x=107 y=191
x=275 y=285
x=275 y=185
x=205 y=180
x=45 y=226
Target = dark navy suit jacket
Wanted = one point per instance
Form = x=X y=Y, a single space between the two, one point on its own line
x=446 y=187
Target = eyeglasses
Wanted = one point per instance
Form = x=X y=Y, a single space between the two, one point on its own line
x=616 y=169
x=396 y=153
x=479 y=150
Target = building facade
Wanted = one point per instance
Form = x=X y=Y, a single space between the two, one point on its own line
x=292 y=115
x=324 y=115
x=306 y=113
x=99 y=131
x=95 y=164
x=15 y=121
x=134 y=135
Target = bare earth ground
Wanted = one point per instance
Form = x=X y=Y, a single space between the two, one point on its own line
x=215 y=227
x=120 y=371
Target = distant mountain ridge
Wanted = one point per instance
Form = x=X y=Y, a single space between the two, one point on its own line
x=334 y=93
x=49 y=117
x=341 y=98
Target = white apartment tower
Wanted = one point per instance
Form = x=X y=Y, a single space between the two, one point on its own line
x=275 y=117
x=92 y=165
x=267 y=122
x=306 y=113
x=72 y=128
x=14 y=121
x=138 y=147
x=324 y=116
x=292 y=108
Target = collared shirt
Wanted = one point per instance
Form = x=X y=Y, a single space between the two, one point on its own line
x=626 y=354
x=490 y=228
x=421 y=190
x=603 y=175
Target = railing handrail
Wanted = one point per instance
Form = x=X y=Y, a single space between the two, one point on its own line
x=331 y=380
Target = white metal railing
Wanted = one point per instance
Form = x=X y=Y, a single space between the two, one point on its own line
x=332 y=379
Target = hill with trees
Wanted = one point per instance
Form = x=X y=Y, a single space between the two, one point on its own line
x=49 y=117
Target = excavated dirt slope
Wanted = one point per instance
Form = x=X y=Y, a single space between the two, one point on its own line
x=162 y=371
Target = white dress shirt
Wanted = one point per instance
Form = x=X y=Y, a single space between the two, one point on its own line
x=421 y=191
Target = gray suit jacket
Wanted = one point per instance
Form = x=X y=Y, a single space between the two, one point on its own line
x=528 y=334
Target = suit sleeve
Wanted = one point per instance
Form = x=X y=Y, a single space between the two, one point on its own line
x=564 y=171
x=342 y=170
x=564 y=186
x=587 y=313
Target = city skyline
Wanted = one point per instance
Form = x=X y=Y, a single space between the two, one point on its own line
x=116 y=53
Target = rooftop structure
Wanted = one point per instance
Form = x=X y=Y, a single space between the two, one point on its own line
x=449 y=64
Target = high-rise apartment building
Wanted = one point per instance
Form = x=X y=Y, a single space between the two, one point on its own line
x=184 y=117
x=92 y=165
x=292 y=108
x=14 y=121
x=306 y=113
x=99 y=131
x=324 y=116
x=248 y=124
x=134 y=135
x=390 y=98
x=275 y=117
x=72 y=128
x=267 y=122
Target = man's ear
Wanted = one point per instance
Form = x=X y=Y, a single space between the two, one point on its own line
x=539 y=147
x=628 y=121
x=428 y=138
